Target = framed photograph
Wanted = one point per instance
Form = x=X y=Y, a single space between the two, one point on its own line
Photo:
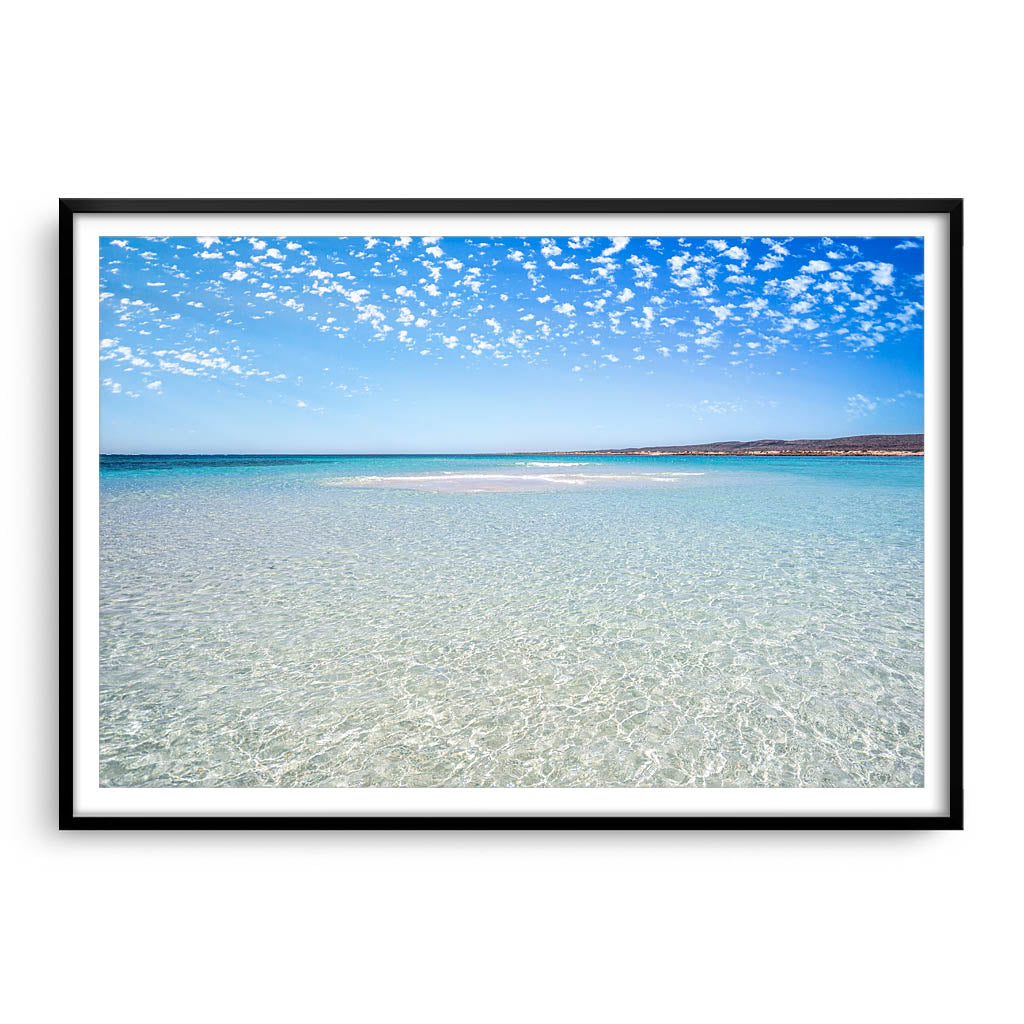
x=511 y=513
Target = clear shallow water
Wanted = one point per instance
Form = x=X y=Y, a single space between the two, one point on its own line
x=375 y=621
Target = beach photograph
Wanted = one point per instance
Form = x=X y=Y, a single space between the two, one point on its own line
x=498 y=511
x=506 y=519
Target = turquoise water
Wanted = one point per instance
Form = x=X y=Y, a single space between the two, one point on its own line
x=511 y=621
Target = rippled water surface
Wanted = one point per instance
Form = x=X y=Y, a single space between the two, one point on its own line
x=513 y=621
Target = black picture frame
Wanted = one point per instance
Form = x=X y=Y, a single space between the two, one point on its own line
x=950 y=208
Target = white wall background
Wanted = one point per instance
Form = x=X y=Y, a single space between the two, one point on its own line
x=528 y=99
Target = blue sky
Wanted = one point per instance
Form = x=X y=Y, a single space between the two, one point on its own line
x=456 y=344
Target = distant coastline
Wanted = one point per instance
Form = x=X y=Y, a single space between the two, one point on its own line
x=900 y=445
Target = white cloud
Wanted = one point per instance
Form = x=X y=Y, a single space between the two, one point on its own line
x=795 y=285
x=643 y=271
x=619 y=242
x=882 y=274
x=860 y=405
x=736 y=253
x=684 y=276
x=692 y=292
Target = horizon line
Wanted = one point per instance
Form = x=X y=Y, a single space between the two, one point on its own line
x=551 y=451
